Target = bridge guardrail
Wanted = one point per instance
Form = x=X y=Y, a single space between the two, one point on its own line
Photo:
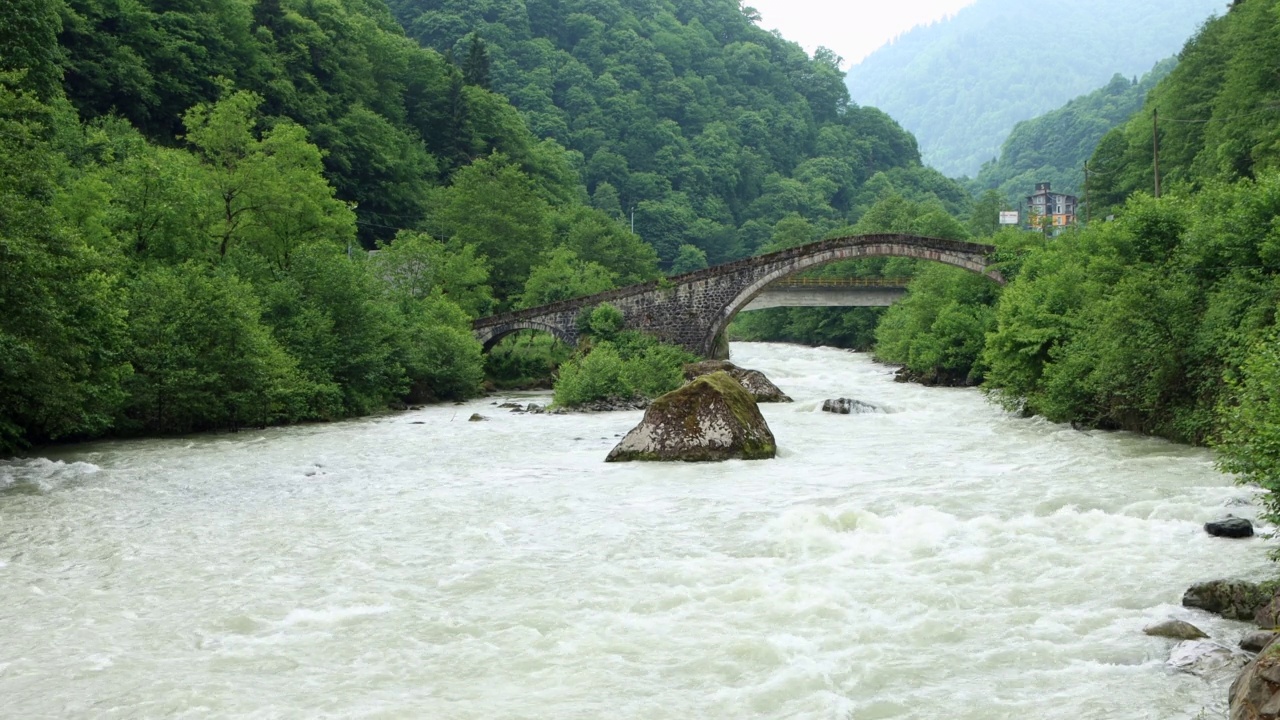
x=894 y=282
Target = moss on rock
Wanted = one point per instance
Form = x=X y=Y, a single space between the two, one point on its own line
x=754 y=381
x=712 y=418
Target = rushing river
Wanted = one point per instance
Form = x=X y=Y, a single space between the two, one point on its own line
x=940 y=560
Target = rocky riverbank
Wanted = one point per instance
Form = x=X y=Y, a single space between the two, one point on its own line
x=1255 y=692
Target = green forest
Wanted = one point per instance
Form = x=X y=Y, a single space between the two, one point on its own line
x=1055 y=147
x=239 y=213
x=244 y=212
x=1162 y=321
x=961 y=84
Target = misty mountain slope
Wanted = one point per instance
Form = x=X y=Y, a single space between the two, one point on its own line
x=1054 y=147
x=960 y=85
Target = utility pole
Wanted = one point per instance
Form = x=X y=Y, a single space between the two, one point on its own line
x=633 y=219
x=1155 y=145
x=1088 y=210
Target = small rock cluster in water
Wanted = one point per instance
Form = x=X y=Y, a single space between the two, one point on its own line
x=847 y=406
x=1255 y=693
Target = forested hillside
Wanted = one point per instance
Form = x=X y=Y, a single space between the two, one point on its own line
x=1055 y=146
x=1218 y=113
x=187 y=191
x=1164 y=320
x=960 y=85
x=710 y=129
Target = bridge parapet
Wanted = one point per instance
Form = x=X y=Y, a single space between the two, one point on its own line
x=692 y=309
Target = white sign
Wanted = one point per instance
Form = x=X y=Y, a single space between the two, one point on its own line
x=1009 y=217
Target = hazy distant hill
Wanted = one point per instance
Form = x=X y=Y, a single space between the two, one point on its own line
x=960 y=85
x=1054 y=147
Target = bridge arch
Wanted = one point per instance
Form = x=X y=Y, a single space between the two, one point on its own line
x=850 y=248
x=692 y=310
x=494 y=335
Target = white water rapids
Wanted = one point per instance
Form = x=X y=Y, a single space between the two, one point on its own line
x=941 y=560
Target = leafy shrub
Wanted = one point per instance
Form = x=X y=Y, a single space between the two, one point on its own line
x=633 y=364
x=657 y=371
x=593 y=376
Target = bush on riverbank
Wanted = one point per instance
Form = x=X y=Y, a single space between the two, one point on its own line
x=616 y=363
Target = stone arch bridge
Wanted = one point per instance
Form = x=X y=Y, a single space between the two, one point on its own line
x=692 y=310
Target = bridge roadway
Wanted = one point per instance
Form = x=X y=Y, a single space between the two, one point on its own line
x=692 y=310
x=830 y=292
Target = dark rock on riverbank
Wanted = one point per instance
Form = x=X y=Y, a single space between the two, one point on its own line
x=847 y=406
x=1255 y=694
x=612 y=404
x=1256 y=641
x=1232 y=599
x=754 y=381
x=1230 y=527
x=935 y=377
x=712 y=418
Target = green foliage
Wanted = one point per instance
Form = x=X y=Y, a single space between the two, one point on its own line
x=604 y=322
x=940 y=327
x=688 y=259
x=691 y=120
x=1013 y=66
x=1055 y=146
x=1250 y=415
x=62 y=332
x=1217 y=112
x=527 y=359
x=202 y=357
x=266 y=193
x=628 y=364
x=562 y=276
x=162 y=290
x=29 y=43
x=1140 y=324
x=417 y=266
x=466 y=213
x=594 y=376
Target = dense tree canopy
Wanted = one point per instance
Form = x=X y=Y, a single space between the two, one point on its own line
x=1055 y=147
x=190 y=190
x=1218 y=112
x=687 y=117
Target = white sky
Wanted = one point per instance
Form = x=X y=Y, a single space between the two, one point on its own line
x=852 y=28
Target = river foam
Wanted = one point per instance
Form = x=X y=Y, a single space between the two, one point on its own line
x=941 y=560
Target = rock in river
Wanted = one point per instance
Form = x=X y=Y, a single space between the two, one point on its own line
x=760 y=387
x=1230 y=527
x=1232 y=599
x=1176 y=629
x=845 y=406
x=1205 y=658
x=712 y=418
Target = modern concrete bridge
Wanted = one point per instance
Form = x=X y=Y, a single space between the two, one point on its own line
x=830 y=292
x=692 y=310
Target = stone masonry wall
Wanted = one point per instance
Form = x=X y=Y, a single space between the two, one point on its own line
x=691 y=310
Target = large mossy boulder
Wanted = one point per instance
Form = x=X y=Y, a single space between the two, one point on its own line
x=712 y=418
x=755 y=382
x=1232 y=599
